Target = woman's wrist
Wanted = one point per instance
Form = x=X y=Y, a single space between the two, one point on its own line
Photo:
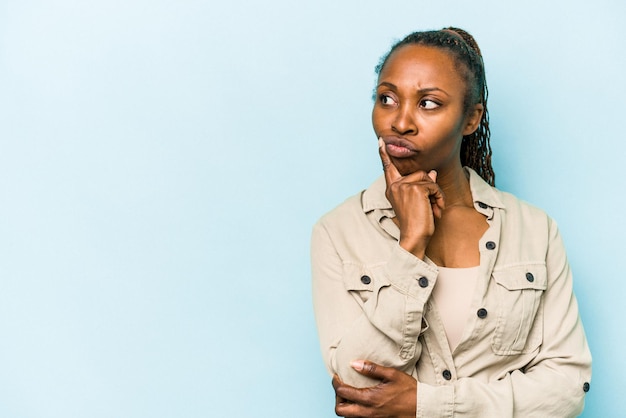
x=417 y=247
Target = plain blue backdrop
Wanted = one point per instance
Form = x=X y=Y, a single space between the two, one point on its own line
x=162 y=163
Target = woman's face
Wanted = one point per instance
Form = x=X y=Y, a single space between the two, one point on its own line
x=419 y=109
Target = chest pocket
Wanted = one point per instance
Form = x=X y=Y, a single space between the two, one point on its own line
x=519 y=328
x=363 y=280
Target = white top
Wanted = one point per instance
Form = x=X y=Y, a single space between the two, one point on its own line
x=453 y=294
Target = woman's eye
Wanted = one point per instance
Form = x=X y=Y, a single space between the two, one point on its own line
x=386 y=100
x=429 y=104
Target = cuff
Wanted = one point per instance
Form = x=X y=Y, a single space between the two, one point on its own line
x=410 y=274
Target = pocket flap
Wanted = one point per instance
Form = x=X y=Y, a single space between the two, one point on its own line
x=528 y=276
x=360 y=277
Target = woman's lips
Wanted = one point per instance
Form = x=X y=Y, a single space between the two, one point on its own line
x=399 y=147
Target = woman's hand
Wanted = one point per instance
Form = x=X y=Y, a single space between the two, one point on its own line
x=416 y=199
x=394 y=396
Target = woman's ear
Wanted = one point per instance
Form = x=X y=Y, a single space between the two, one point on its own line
x=473 y=119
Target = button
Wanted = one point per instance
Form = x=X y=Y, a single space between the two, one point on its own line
x=482 y=205
x=482 y=313
x=586 y=387
x=366 y=280
x=530 y=277
x=446 y=374
x=490 y=245
x=423 y=281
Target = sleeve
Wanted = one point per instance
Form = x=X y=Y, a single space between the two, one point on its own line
x=385 y=327
x=553 y=384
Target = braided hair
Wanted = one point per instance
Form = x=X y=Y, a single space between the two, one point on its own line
x=475 y=147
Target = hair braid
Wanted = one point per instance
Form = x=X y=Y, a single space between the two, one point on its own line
x=475 y=148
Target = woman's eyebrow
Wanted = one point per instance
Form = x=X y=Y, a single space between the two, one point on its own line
x=431 y=89
x=387 y=84
x=424 y=90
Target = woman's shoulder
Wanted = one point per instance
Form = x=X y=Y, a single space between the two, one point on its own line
x=516 y=206
x=344 y=212
x=524 y=222
x=512 y=206
x=355 y=208
x=513 y=202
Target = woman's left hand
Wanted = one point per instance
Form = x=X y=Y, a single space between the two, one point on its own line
x=394 y=396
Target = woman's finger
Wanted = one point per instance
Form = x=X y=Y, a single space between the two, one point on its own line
x=373 y=370
x=437 y=199
x=395 y=395
x=391 y=172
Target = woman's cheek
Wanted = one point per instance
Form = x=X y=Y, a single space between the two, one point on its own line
x=380 y=122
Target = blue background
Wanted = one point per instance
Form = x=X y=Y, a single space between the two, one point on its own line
x=162 y=163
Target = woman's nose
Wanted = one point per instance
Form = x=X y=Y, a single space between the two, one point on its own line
x=404 y=122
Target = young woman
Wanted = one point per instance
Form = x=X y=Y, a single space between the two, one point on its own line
x=435 y=294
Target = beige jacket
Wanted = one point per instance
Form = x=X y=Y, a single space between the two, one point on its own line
x=523 y=352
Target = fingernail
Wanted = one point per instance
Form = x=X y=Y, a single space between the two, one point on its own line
x=380 y=141
x=357 y=365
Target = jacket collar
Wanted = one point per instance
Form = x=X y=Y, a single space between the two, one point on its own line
x=374 y=197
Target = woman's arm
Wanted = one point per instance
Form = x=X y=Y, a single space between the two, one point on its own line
x=385 y=328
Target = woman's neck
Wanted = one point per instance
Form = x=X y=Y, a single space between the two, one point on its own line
x=455 y=185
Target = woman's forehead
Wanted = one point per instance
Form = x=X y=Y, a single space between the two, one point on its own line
x=422 y=64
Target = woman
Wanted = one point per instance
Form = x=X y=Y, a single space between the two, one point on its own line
x=436 y=294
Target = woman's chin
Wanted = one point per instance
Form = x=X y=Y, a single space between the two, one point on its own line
x=406 y=167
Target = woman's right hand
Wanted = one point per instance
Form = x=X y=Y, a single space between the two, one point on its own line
x=416 y=199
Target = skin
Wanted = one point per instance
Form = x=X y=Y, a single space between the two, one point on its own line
x=420 y=119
